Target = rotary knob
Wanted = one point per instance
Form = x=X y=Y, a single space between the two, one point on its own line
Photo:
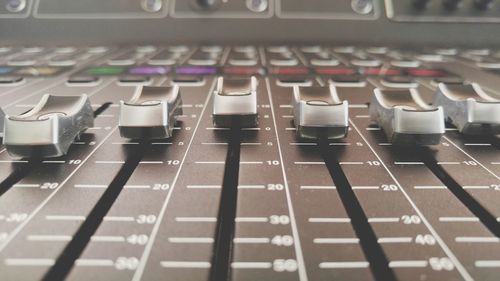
x=205 y=5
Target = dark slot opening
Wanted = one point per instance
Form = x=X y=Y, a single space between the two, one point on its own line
x=488 y=220
x=21 y=170
x=227 y=208
x=102 y=108
x=379 y=264
x=76 y=246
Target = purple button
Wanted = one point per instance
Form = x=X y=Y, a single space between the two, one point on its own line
x=149 y=70
x=196 y=70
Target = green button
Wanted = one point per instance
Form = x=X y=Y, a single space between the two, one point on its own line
x=105 y=70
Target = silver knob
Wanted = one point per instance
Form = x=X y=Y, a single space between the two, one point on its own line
x=318 y=112
x=152 y=6
x=151 y=113
x=205 y=5
x=48 y=129
x=469 y=108
x=235 y=97
x=16 y=6
x=405 y=118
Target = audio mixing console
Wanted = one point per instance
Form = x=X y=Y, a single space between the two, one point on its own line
x=257 y=193
x=249 y=140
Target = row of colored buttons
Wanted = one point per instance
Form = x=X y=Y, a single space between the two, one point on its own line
x=32 y=70
x=203 y=70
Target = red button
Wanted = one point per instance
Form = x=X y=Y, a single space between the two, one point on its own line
x=335 y=71
x=289 y=70
x=235 y=70
x=426 y=72
x=382 y=71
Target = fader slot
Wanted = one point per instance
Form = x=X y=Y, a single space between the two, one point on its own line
x=20 y=171
x=374 y=253
x=181 y=243
x=308 y=180
x=488 y=219
x=74 y=249
x=102 y=108
x=227 y=207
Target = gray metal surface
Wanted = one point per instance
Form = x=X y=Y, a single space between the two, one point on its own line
x=98 y=22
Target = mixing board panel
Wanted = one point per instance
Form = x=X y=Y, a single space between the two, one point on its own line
x=248 y=202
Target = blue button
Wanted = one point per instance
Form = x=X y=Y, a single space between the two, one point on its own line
x=5 y=69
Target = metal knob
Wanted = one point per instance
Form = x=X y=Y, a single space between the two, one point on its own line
x=235 y=97
x=318 y=112
x=205 y=5
x=48 y=130
x=405 y=118
x=151 y=113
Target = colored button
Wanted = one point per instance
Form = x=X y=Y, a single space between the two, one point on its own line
x=243 y=70
x=39 y=71
x=196 y=70
x=149 y=70
x=104 y=70
x=335 y=71
x=289 y=70
x=426 y=72
x=382 y=71
x=5 y=70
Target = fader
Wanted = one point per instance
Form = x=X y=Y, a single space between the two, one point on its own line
x=318 y=112
x=48 y=130
x=469 y=108
x=235 y=97
x=406 y=118
x=151 y=113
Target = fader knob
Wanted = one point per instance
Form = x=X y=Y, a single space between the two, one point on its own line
x=318 y=112
x=405 y=118
x=469 y=108
x=151 y=113
x=235 y=97
x=483 y=4
x=48 y=130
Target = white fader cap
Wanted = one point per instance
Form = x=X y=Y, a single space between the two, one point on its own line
x=49 y=128
x=235 y=97
x=151 y=113
x=405 y=118
x=318 y=112
x=469 y=108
